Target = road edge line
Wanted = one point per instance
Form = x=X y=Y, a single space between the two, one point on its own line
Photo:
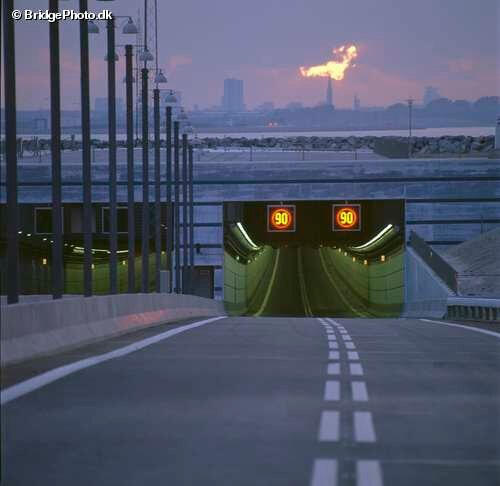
x=469 y=328
x=24 y=387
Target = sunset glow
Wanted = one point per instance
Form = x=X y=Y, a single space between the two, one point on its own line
x=344 y=57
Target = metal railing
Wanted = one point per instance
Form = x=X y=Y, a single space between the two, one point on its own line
x=436 y=262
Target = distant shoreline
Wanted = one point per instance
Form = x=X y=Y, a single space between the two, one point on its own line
x=231 y=132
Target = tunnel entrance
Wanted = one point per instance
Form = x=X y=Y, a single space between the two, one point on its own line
x=314 y=258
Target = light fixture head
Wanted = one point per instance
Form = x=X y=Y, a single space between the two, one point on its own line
x=130 y=27
x=145 y=55
x=92 y=27
x=170 y=98
x=160 y=77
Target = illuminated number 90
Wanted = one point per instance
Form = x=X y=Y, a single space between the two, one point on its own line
x=281 y=218
x=347 y=217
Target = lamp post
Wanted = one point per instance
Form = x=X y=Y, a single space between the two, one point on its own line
x=55 y=127
x=191 y=215
x=130 y=168
x=410 y=106
x=113 y=237
x=185 y=278
x=85 y=28
x=12 y=274
x=159 y=78
x=177 y=235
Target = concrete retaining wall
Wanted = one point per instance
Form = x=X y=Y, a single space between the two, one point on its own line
x=36 y=328
x=426 y=294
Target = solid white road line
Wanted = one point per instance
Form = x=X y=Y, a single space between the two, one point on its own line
x=333 y=345
x=359 y=391
x=329 y=427
x=352 y=355
x=270 y=286
x=333 y=355
x=333 y=369
x=469 y=328
x=355 y=369
x=350 y=345
x=324 y=472
x=331 y=337
x=364 y=431
x=332 y=390
x=368 y=473
x=39 y=381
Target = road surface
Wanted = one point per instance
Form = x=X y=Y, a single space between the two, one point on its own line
x=250 y=401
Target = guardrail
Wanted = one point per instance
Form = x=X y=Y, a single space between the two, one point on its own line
x=437 y=263
x=474 y=309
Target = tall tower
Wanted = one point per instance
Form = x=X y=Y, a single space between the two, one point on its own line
x=329 y=93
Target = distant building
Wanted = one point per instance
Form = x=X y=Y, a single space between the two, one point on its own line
x=266 y=106
x=356 y=105
x=294 y=105
x=329 y=93
x=431 y=93
x=233 y=95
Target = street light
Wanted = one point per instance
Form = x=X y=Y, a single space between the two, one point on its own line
x=160 y=78
x=171 y=98
x=146 y=56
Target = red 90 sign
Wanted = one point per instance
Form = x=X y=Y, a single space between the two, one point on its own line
x=280 y=219
x=346 y=217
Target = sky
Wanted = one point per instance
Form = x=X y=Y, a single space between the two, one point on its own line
x=403 y=46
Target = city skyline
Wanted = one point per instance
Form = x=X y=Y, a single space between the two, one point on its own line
x=413 y=52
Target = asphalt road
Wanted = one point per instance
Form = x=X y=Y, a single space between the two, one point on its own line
x=302 y=287
x=267 y=401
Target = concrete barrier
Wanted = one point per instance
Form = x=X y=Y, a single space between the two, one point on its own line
x=426 y=295
x=473 y=309
x=37 y=328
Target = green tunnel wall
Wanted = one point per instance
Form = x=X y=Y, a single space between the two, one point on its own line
x=245 y=284
x=377 y=288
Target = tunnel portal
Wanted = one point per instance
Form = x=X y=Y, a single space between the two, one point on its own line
x=314 y=258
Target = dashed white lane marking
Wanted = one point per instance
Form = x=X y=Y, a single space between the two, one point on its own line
x=333 y=369
x=329 y=426
x=39 y=381
x=350 y=345
x=355 y=369
x=331 y=337
x=469 y=328
x=333 y=345
x=359 y=391
x=324 y=472
x=333 y=355
x=352 y=355
x=364 y=431
x=368 y=473
x=332 y=390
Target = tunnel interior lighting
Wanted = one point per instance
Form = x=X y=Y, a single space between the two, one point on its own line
x=375 y=239
x=44 y=261
x=246 y=236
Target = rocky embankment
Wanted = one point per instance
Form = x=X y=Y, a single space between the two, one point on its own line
x=422 y=146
